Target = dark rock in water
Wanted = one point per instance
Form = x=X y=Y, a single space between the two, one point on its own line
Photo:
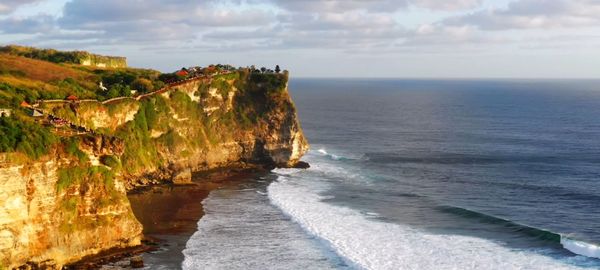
x=136 y=262
x=302 y=165
x=45 y=265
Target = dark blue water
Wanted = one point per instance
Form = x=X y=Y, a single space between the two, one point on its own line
x=413 y=174
x=513 y=162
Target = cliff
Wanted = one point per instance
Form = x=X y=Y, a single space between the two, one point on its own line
x=63 y=207
x=88 y=59
x=239 y=119
x=71 y=202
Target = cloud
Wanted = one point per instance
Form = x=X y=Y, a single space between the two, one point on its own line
x=337 y=6
x=8 y=6
x=443 y=37
x=374 y=6
x=447 y=5
x=156 y=20
x=90 y=13
x=32 y=25
x=532 y=14
x=343 y=25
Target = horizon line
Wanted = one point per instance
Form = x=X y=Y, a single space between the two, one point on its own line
x=451 y=78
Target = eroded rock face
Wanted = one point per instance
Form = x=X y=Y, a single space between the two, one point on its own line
x=58 y=210
x=44 y=222
x=235 y=121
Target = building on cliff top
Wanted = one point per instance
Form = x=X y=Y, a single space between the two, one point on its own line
x=88 y=59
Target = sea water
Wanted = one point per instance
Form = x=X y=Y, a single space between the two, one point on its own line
x=421 y=174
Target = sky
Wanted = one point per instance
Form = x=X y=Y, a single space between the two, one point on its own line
x=325 y=38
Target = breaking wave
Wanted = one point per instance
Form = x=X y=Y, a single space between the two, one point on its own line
x=368 y=243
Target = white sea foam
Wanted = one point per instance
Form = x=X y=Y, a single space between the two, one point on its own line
x=332 y=156
x=372 y=244
x=330 y=169
x=242 y=230
x=581 y=248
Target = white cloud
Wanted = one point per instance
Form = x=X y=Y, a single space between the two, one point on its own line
x=447 y=5
x=528 y=14
x=350 y=27
x=33 y=25
x=8 y=6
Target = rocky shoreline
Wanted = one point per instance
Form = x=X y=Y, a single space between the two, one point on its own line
x=169 y=214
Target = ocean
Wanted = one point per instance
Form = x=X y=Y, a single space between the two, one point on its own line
x=422 y=174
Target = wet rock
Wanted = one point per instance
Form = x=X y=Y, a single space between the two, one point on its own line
x=136 y=262
x=301 y=165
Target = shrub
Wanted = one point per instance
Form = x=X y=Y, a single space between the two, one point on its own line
x=111 y=161
x=72 y=148
x=142 y=85
x=25 y=137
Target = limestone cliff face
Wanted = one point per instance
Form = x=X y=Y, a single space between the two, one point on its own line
x=72 y=203
x=58 y=210
x=234 y=120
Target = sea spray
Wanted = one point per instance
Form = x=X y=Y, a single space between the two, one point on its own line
x=580 y=247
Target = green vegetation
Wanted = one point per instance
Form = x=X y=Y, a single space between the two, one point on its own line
x=49 y=55
x=153 y=129
x=12 y=96
x=222 y=84
x=270 y=82
x=91 y=175
x=117 y=90
x=70 y=176
x=111 y=161
x=54 y=56
x=97 y=179
x=258 y=93
x=143 y=85
x=140 y=152
x=72 y=148
x=171 y=139
x=17 y=134
x=121 y=82
x=22 y=78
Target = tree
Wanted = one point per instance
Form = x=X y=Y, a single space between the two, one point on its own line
x=277 y=69
x=142 y=85
x=263 y=69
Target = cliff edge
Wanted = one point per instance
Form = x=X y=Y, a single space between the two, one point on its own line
x=64 y=190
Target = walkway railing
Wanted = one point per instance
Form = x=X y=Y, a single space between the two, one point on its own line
x=79 y=128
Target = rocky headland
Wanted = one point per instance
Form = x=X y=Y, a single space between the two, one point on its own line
x=68 y=200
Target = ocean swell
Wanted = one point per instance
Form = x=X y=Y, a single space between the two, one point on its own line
x=371 y=244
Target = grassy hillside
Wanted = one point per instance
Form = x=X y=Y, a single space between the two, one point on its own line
x=29 y=79
x=73 y=57
x=32 y=80
x=242 y=97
